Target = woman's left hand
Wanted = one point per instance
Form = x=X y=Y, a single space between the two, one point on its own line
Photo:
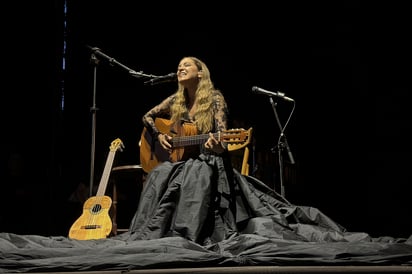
x=214 y=144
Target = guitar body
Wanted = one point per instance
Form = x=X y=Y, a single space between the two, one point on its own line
x=185 y=142
x=95 y=221
x=152 y=153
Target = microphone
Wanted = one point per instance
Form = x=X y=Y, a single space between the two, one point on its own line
x=291 y=159
x=171 y=77
x=271 y=93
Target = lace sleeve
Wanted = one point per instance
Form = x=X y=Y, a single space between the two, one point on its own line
x=161 y=110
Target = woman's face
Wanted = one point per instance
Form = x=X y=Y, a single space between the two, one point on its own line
x=187 y=70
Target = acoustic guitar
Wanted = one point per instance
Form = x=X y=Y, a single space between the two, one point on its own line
x=184 y=142
x=95 y=221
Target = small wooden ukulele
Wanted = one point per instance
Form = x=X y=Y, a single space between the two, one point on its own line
x=95 y=221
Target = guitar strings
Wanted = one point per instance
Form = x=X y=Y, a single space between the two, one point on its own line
x=229 y=135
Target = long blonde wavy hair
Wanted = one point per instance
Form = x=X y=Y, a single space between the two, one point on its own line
x=203 y=117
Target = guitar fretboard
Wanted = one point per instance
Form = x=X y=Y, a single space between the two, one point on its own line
x=181 y=141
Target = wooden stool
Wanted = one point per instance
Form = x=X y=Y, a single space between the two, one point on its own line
x=127 y=181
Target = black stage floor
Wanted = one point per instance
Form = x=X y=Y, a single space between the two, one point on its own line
x=262 y=269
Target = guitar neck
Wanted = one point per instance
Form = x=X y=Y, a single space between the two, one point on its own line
x=106 y=173
x=181 y=141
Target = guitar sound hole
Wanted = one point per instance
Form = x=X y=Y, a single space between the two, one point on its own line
x=96 y=208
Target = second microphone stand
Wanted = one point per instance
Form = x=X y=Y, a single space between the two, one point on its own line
x=282 y=144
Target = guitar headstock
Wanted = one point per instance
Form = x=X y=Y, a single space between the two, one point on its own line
x=237 y=138
x=116 y=144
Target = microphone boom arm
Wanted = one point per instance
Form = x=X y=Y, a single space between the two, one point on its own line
x=112 y=61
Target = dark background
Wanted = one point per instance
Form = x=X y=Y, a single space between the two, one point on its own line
x=346 y=66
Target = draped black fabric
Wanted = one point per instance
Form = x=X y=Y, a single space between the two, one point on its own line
x=197 y=214
x=202 y=201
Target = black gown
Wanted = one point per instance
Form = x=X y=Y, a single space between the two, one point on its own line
x=206 y=201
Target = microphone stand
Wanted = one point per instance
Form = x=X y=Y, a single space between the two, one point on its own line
x=93 y=109
x=281 y=145
x=95 y=61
